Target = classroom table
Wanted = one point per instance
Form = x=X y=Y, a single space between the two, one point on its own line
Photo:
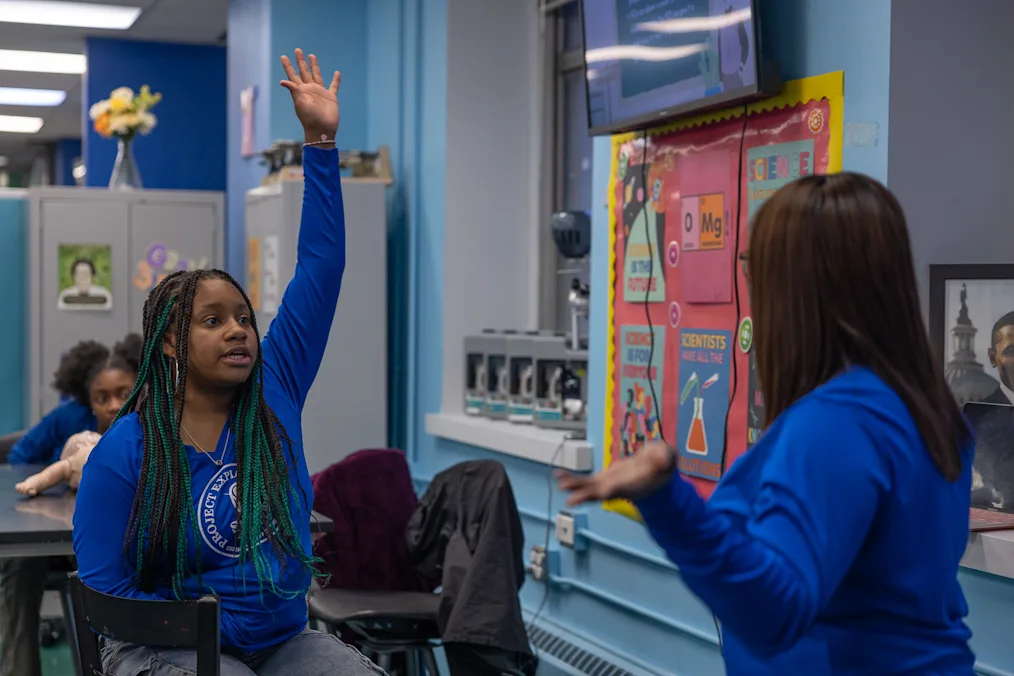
x=41 y=526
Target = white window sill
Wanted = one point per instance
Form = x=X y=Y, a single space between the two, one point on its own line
x=521 y=441
x=991 y=552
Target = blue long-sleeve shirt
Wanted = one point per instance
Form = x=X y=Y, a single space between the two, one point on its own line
x=292 y=352
x=43 y=443
x=832 y=547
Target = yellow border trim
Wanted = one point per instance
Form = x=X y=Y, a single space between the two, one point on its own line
x=830 y=86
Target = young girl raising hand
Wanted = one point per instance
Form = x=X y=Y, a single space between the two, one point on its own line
x=207 y=479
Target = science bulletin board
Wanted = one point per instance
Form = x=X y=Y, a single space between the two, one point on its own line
x=680 y=364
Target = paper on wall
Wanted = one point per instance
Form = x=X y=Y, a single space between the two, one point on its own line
x=271 y=295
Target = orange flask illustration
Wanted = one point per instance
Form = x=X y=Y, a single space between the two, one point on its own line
x=697 y=439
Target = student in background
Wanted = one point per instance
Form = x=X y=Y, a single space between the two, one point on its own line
x=98 y=381
x=832 y=546
x=43 y=443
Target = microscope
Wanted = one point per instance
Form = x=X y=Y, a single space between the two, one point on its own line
x=561 y=366
x=572 y=236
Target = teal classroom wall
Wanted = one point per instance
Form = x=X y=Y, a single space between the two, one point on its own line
x=13 y=308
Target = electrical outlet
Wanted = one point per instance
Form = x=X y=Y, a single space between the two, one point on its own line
x=568 y=529
x=537 y=562
x=565 y=529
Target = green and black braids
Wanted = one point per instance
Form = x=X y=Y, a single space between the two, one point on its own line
x=163 y=509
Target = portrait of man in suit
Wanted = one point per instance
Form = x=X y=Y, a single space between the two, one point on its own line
x=992 y=422
x=973 y=320
x=1001 y=357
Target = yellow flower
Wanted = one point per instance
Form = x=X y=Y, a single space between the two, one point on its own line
x=118 y=105
x=125 y=123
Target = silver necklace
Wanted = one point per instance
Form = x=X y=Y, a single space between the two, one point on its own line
x=218 y=463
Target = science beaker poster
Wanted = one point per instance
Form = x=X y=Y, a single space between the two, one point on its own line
x=641 y=385
x=705 y=384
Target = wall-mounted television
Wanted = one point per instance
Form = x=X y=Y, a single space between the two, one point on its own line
x=651 y=61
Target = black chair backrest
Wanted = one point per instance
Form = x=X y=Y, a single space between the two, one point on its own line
x=192 y=625
x=7 y=442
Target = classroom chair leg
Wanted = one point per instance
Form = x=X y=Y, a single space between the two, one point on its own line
x=430 y=660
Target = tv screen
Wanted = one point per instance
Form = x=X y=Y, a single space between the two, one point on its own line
x=649 y=61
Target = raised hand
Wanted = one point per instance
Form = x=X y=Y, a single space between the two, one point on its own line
x=630 y=478
x=316 y=104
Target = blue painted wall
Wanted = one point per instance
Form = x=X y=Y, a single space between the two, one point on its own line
x=391 y=46
x=336 y=33
x=810 y=37
x=13 y=308
x=249 y=65
x=259 y=32
x=406 y=106
x=66 y=151
x=187 y=150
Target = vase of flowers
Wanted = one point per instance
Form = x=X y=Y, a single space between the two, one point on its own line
x=123 y=116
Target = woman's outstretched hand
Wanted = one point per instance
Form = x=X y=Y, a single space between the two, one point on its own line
x=630 y=478
x=316 y=104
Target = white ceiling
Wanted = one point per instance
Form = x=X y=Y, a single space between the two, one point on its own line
x=193 y=21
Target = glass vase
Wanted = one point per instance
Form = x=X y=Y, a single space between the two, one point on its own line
x=125 y=174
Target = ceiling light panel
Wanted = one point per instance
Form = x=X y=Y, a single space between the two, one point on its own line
x=76 y=14
x=20 y=125
x=42 y=62
x=15 y=96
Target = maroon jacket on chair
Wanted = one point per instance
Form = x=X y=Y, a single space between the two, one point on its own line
x=370 y=497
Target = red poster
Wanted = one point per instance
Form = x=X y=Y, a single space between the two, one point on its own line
x=680 y=205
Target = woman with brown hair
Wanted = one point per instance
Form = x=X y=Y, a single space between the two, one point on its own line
x=832 y=547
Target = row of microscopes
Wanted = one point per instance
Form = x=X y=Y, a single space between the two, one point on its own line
x=537 y=377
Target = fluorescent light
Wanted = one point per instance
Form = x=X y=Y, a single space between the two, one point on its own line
x=691 y=25
x=42 y=62
x=14 y=96
x=20 y=125
x=641 y=53
x=77 y=14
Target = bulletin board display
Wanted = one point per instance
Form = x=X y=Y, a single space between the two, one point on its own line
x=680 y=363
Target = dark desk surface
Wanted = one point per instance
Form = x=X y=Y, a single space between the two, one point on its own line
x=41 y=526
x=46 y=518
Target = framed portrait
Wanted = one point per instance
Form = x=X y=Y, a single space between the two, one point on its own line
x=972 y=327
x=85 y=277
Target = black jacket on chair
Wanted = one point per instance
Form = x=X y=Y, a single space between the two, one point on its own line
x=466 y=531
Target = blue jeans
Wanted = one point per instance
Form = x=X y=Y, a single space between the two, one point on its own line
x=311 y=653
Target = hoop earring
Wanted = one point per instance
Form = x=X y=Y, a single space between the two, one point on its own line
x=176 y=376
